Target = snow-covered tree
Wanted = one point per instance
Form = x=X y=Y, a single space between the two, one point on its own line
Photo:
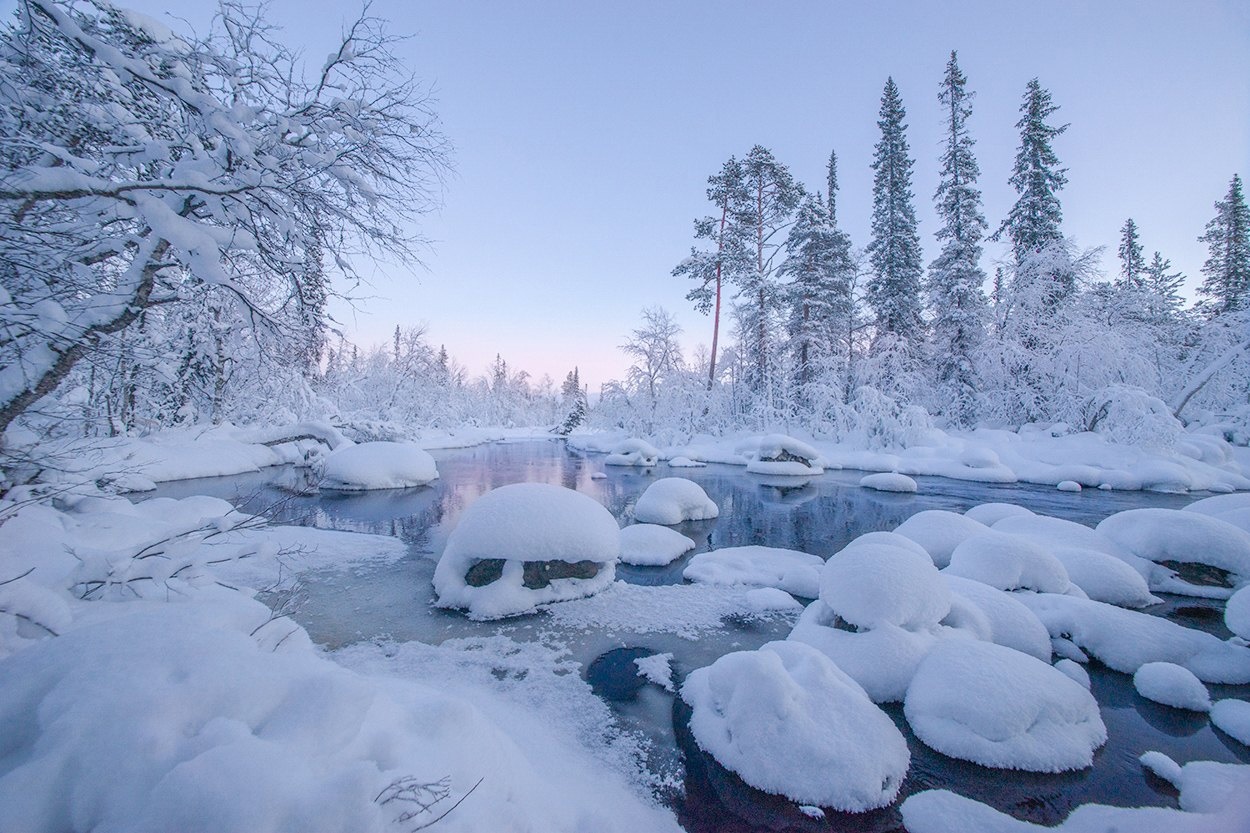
x=1132 y=259
x=655 y=351
x=1165 y=285
x=1226 y=282
x=139 y=167
x=894 y=252
x=956 y=277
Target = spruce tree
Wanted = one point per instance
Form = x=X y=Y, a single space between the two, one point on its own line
x=831 y=184
x=956 y=277
x=1132 y=259
x=1165 y=284
x=1227 y=269
x=894 y=252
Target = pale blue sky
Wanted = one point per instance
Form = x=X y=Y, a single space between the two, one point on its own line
x=585 y=132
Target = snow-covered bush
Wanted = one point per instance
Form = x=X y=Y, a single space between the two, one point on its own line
x=1128 y=415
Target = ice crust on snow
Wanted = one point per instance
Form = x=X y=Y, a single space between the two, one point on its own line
x=789 y=570
x=1172 y=685
x=520 y=524
x=651 y=545
x=671 y=500
x=377 y=465
x=888 y=482
x=939 y=532
x=789 y=722
x=1000 y=708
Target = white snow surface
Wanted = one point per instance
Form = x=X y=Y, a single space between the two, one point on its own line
x=1000 y=708
x=1074 y=670
x=888 y=482
x=526 y=522
x=789 y=570
x=658 y=669
x=763 y=599
x=377 y=465
x=1232 y=717
x=1010 y=622
x=939 y=532
x=651 y=545
x=1233 y=509
x=1237 y=613
x=1068 y=486
x=671 y=500
x=633 y=452
x=686 y=463
x=1008 y=562
x=789 y=722
x=1178 y=535
x=991 y=513
x=1172 y=685
x=874 y=583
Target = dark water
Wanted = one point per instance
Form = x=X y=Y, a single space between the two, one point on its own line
x=820 y=516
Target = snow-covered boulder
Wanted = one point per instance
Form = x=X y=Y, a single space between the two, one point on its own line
x=651 y=545
x=1232 y=717
x=1172 y=685
x=997 y=707
x=789 y=722
x=888 y=481
x=681 y=462
x=524 y=545
x=939 y=532
x=633 y=452
x=766 y=599
x=1233 y=509
x=873 y=584
x=1009 y=620
x=778 y=454
x=377 y=465
x=1068 y=486
x=671 y=500
x=1237 y=613
x=991 y=513
x=1186 y=537
x=789 y=570
x=1008 y=562
x=1074 y=670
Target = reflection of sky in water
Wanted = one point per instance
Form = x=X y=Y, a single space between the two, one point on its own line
x=820 y=515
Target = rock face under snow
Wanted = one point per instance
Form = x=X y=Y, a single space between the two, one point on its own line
x=633 y=452
x=888 y=482
x=1000 y=708
x=650 y=545
x=789 y=570
x=671 y=500
x=1172 y=685
x=778 y=454
x=789 y=722
x=523 y=545
x=377 y=465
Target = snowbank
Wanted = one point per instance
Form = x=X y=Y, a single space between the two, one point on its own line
x=789 y=570
x=1000 y=708
x=888 y=482
x=524 y=545
x=789 y=722
x=671 y=500
x=650 y=545
x=377 y=465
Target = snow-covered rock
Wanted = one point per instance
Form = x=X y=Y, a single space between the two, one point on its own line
x=1000 y=708
x=1237 y=613
x=764 y=599
x=991 y=513
x=1074 y=670
x=681 y=462
x=888 y=482
x=1177 y=535
x=789 y=570
x=789 y=722
x=377 y=465
x=671 y=500
x=651 y=545
x=1008 y=562
x=1068 y=486
x=633 y=452
x=939 y=532
x=1009 y=620
x=873 y=584
x=1232 y=717
x=778 y=454
x=523 y=545
x=1233 y=509
x=1171 y=685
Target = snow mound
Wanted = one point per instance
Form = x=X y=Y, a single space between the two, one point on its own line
x=939 y=532
x=778 y=454
x=873 y=584
x=1068 y=486
x=685 y=463
x=997 y=707
x=888 y=482
x=1177 y=535
x=1008 y=562
x=1074 y=670
x=1232 y=717
x=1172 y=685
x=1125 y=640
x=991 y=513
x=633 y=452
x=650 y=545
x=671 y=500
x=1233 y=509
x=1009 y=621
x=789 y=722
x=658 y=669
x=789 y=570
x=763 y=599
x=523 y=545
x=1237 y=613
x=377 y=465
